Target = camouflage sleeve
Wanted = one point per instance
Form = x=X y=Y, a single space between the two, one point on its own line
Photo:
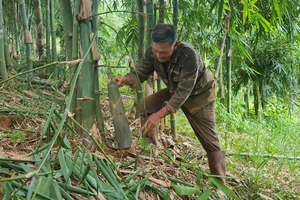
x=186 y=81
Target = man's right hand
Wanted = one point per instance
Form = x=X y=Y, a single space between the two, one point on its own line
x=120 y=81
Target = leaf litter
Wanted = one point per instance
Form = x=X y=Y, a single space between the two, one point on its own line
x=181 y=161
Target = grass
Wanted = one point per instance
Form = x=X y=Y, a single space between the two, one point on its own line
x=261 y=172
x=276 y=134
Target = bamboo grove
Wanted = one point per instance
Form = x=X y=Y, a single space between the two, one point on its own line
x=251 y=47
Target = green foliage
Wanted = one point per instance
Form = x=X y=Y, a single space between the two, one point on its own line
x=17 y=135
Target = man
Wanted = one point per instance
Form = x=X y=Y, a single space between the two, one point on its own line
x=190 y=87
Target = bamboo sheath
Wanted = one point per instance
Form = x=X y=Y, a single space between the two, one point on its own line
x=120 y=122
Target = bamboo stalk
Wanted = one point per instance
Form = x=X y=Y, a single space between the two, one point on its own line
x=263 y=156
x=41 y=67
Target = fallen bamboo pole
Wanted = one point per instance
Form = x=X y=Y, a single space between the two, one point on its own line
x=263 y=156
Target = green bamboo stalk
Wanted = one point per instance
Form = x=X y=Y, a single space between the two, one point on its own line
x=48 y=36
x=150 y=24
x=88 y=106
x=161 y=19
x=64 y=117
x=98 y=107
x=141 y=51
x=78 y=109
x=3 y=70
x=175 y=13
x=40 y=29
x=257 y=100
x=175 y=23
x=8 y=60
x=228 y=66
x=17 y=34
x=173 y=125
x=67 y=18
x=53 y=39
x=77 y=92
x=162 y=8
x=27 y=34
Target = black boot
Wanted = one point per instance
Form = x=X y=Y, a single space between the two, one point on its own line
x=217 y=164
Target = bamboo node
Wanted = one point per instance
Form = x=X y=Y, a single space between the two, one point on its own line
x=27 y=37
x=30 y=175
x=86 y=99
x=69 y=114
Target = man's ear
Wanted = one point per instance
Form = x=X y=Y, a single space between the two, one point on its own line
x=176 y=45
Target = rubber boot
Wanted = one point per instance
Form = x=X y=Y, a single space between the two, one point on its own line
x=149 y=137
x=217 y=164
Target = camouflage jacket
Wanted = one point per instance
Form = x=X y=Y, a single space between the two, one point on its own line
x=188 y=80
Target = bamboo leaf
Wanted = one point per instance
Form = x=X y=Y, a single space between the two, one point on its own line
x=223 y=188
x=8 y=191
x=220 y=11
x=85 y=173
x=110 y=176
x=213 y=5
x=164 y=195
x=277 y=9
x=55 y=191
x=73 y=164
x=25 y=189
x=93 y=171
x=138 y=172
x=180 y=181
x=76 y=189
x=185 y=190
x=63 y=165
x=245 y=11
x=204 y=195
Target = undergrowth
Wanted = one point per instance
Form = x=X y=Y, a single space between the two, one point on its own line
x=262 y=153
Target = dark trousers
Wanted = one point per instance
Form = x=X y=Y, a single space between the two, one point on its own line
x=202 y=122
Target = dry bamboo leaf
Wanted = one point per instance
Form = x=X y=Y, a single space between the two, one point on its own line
x=162 y=183
x=71 y=62
x=31 y=94
x=95 y=53
x=30 y=174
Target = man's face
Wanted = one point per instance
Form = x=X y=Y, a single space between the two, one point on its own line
x=163 y=51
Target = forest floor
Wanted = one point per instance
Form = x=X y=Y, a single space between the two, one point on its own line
x=23 y=115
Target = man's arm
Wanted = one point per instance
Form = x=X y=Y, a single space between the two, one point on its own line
x=187 y=81
x=144 y=71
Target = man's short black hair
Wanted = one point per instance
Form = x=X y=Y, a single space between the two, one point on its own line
x=163 y=33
